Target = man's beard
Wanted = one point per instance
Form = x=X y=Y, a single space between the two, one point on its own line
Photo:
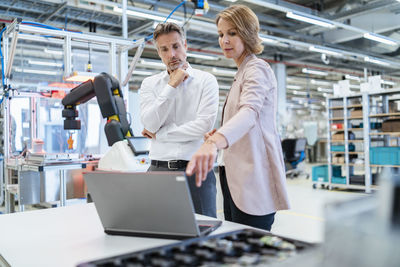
x=176 y=65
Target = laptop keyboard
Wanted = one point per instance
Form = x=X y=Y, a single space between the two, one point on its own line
x=246 y=247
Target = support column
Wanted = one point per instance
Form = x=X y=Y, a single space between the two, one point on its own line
x=280 y=74
x=123 y=55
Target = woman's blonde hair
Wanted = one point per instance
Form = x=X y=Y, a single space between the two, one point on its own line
x=246 y=24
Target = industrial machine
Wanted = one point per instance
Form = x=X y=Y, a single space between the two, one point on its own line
x=119 y=134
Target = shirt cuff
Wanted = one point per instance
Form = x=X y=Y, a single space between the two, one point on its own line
x=225 y=134
x=168 y=92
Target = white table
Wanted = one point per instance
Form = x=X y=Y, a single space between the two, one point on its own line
x=67 y=236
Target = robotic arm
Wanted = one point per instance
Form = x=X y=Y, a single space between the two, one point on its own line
x=110 y=99
x=122 y=155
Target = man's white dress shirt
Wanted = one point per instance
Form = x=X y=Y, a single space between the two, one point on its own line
x=179 y=116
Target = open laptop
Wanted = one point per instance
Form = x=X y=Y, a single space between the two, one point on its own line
x=150 y=204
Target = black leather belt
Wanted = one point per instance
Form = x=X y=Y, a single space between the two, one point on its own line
x=171 y=164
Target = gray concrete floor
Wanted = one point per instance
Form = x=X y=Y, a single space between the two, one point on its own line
x=305 y=220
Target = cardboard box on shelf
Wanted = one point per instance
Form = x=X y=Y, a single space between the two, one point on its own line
x=356 y=113
x=338 y=136
x=394 y=106
x=337 y=160
x=391 y=125
x=337 y=113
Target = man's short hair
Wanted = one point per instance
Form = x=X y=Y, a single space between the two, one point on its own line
x=168 y=27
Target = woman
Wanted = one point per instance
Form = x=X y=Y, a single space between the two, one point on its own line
x=253 y=180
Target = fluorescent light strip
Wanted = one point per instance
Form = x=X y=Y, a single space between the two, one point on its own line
x=315 y=72
x=324 y=51
x=376 y=61
x=202 y=56
x=152 y=63
x=326 y=90
x=380 y=39
x=54 y=52
x=310 y=20
x=224 y=87
x=354 y=86
x=388 y=82
x=294 y=87
x=145 y=15
x=142 y=72
x=269 y=40
x=299 y=93
x=223 y=72
x=354 y=78
x=42 y=72
x=316 y=82
x=42 y=63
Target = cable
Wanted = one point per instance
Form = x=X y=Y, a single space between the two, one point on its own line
x=2 y=62
x=148 y=38
x=37 y=24
x=191 y=16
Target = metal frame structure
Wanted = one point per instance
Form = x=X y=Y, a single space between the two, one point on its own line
x=117 y=47
x=366 y=102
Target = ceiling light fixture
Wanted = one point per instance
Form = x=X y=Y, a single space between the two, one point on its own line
x=208 y=57
x=146 y=15
x=324 y=50
x=43 y=63
x=388 y=82
x=300 y=93
x=309 y=19
x=314 y=72
x=269 y=40
x=376 y=61
x=223 y=72
x=294 y=87
x=152 y=63
x=380 y=38
x=42 y=72
x=354 y=86
x=142 y=72
x=326 y=90
x=354 y=78
x=224 y=87
x=54 y=52
x=316 y=82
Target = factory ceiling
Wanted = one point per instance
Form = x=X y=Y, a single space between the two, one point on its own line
x=342 y=46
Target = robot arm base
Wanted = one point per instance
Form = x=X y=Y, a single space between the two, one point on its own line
x=120 y=157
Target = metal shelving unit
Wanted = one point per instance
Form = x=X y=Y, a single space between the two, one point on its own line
x=368 y=102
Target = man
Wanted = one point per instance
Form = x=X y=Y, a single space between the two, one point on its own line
x=178 y=106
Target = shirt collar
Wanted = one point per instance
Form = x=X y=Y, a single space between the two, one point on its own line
x=245 y=60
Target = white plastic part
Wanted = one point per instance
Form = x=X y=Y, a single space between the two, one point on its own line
x=121 y=158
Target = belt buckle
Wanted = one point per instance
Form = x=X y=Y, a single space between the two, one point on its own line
x=169 y=165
